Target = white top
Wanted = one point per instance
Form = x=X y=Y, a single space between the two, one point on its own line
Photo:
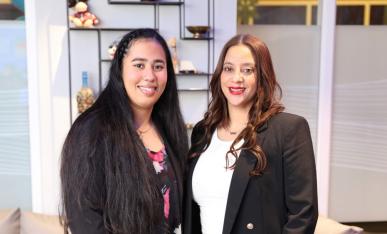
x=211 y=182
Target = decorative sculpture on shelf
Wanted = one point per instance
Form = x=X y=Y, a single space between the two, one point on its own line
x=198 y=31
x=85 y=96
x=187 y=67
x=82 y=18
x=112 y=49
x=175 y=60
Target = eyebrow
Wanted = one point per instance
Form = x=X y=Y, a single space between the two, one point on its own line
x=139 y=59
x=243 y=64
x=248 y=64
x=159 y=61
x=144 y=60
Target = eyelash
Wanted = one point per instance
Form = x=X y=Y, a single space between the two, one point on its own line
x=228 y=69
x=156 y=67
x=139 y=65
x=245 y=71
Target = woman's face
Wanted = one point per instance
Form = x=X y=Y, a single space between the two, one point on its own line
x=239 y=78
x=144 y=73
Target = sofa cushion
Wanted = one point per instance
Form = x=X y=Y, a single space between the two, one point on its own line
x=9 y=221
x=32 y=223
x=326 y=225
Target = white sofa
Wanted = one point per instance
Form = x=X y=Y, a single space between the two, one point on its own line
x=15 y=221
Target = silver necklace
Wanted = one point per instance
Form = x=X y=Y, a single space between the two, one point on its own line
x=233 y=132
x=142 y=132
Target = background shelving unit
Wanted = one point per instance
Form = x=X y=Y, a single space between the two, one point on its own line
x=88 y=46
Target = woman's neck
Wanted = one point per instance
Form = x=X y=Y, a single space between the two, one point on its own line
x=142 y=118
x=146 y=130
x=238 y=117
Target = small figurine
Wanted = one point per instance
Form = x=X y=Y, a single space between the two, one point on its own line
x=85 y=96
x=112 y=49
x=175 y=60
x=187 y=67
x=82 y=18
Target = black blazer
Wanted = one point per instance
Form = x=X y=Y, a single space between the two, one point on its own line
x=283 y=199
x=86 y=220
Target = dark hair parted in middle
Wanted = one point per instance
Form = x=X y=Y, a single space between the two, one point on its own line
x=103 y=146
x=266 y=103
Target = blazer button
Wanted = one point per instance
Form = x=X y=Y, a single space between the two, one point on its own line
x=250 y=226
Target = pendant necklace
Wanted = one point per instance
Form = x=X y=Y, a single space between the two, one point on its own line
x=142 y=132
x=233 y=132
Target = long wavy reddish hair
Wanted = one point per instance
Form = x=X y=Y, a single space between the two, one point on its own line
x=266 y=103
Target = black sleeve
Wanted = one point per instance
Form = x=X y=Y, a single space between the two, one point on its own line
x=86 y=215
x=83 y=180
x=300 y=179
x=84 y=220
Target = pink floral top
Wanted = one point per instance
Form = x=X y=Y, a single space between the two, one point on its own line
x=168 y=187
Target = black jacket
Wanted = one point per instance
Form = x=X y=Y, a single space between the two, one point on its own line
x=283 y=199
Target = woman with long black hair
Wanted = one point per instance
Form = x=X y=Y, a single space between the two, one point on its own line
x=122 y=161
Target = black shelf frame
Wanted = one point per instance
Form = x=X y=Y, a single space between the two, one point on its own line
x=210 y=38
x=102 y=29
x=112 y=2
x=198 y=38
x=98 y=31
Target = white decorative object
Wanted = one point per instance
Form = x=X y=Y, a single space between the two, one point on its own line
x=187 y=66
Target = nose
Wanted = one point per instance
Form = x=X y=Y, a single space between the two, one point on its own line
x=149 y=74
x=237 y=76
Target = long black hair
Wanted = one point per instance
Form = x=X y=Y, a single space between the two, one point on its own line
x=104 y=163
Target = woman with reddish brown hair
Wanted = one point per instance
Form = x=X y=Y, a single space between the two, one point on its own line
x=251 y=166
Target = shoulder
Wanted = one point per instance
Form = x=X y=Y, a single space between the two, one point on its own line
x=287 y=125
x=86 y=129
x=285 y=117
x=198 y=129
x=286 y=120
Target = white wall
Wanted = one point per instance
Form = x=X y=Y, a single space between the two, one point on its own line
x=359 y=125
x=48 y=97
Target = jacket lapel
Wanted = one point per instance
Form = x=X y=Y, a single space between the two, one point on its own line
x=245 y=163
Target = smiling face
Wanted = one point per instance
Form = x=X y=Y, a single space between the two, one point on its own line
x=144 y=73
x=239 y=78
